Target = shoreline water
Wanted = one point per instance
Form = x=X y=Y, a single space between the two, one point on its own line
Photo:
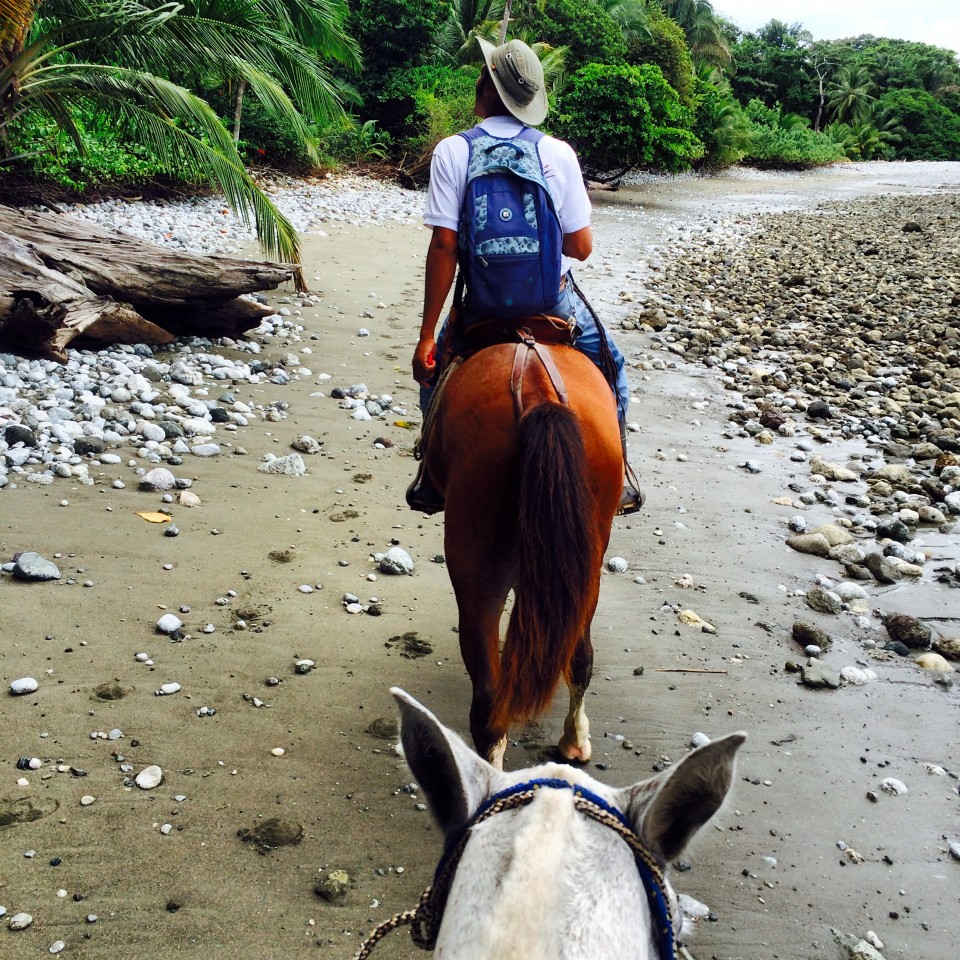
x=711 y=540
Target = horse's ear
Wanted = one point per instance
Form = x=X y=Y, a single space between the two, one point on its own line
x=669 y=809
x=454 y=779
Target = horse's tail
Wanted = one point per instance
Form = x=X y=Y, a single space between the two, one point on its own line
x=552 y=595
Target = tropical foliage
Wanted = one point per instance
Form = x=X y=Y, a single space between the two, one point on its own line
x=121 y=91
x=132 y=68
x=621 y=117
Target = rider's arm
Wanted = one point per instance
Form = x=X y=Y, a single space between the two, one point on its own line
x=441 y=269
x=579 y=244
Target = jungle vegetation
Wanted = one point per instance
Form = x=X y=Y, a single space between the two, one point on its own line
x=101 y=92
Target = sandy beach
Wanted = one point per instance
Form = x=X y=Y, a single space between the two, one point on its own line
x=165 y=872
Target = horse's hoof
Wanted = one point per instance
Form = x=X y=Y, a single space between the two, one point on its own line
x=575 y=753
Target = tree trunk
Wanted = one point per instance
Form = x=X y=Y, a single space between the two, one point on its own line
x=238 y=109
x=61 y=279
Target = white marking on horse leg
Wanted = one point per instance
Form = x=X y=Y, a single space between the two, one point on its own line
x=496 y=752
x=575 y=742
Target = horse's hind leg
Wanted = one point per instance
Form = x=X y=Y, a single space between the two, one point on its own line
x=575 y=743
x=480 y=648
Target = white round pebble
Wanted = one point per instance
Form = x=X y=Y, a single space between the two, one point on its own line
x=20 y=921
x=894 y=786
x=168 y=623
x=167 y=829
x=24 y=685
x=305 y=588
x=86 y=800
x=617 y=565
x=149 y=777
x=699 y=740
x=278 y=751
x=209 y=628
x=167 y=688
x=57 y=946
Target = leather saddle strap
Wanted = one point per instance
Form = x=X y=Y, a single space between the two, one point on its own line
x=521 y=358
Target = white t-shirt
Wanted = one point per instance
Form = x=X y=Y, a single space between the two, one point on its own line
x=448 y=179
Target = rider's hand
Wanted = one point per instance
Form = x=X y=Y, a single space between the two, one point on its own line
x=424 y=360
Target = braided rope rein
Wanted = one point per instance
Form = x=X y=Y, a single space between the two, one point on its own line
x=426 y=917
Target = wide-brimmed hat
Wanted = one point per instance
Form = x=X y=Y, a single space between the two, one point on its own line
x=517 y=74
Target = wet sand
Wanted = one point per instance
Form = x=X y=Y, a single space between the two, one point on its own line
x=201 y=892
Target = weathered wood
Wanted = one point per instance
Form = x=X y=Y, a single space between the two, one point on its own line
x=127 y=268
x=41 y=310
x=61 y=279
x=226 y=318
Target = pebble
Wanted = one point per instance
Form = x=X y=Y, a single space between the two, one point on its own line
x=24 y=685
x=278 y=751
x=291 y=465
x=20 y=921
x=57 y=946
x=893 y=786
x=617 y=565
x=396 y=561
x=149 y=778
x=166 y=689
x=934 y=662
x=86 y=800
x=169 y=623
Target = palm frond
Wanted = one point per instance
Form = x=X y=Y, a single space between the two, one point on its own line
x=159 y=115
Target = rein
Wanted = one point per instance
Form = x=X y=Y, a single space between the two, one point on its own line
x=426 y=917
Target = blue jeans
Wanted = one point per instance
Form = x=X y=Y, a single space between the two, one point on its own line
x=587 y=342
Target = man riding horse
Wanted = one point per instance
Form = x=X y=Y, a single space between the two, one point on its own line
x=510 y=100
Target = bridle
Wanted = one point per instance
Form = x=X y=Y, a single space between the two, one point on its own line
x=426 y=917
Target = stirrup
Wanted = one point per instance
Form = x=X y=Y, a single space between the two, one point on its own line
x=630 y=501
x=422 y=496
x=632 y=498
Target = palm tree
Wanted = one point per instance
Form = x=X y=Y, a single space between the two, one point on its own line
x=704 y=30
x=851 y=94
x=60 y=58
x=632 y=15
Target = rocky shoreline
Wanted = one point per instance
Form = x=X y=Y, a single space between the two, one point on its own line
x=194 y=537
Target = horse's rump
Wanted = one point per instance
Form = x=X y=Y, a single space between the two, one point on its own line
x=528 y=506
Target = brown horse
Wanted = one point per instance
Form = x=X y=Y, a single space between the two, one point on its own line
x=529 y=504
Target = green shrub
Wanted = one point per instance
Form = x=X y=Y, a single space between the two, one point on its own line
x=584 y=27
x=786 y=141
x=666 y=47
x=720 y=124
x=620 y=117
x=44 y=150
x=930 y=131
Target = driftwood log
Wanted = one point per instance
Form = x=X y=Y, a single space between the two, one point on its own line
x=61 y=279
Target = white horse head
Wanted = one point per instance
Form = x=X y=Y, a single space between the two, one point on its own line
x=541 y=881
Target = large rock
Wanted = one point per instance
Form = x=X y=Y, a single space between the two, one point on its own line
x=805 y=634
x=832 y=471
x=31 y=566
x=823 y=601
x=815 y=673
x=158 y=479
x=834 y=534
x=813 y=543
x=909 y=631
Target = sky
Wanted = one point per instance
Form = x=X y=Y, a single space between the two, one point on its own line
x=936 y=22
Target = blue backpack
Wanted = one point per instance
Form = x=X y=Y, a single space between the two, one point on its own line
x=510 y=238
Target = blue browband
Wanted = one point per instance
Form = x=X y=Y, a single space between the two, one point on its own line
x=650 y=874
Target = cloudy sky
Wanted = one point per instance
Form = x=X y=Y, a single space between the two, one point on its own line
x=930 y=21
